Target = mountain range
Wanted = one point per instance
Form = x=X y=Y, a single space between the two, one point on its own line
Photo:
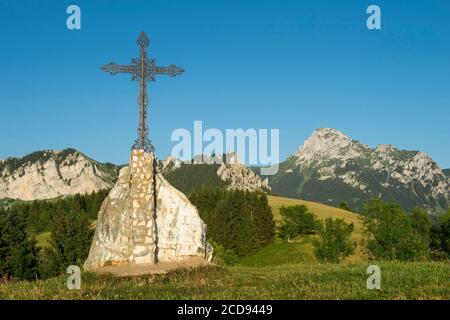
x=49 y=174
x=332 y=168
x=329 y=168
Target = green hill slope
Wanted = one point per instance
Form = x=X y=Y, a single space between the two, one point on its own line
x=322 y=211
x=302 y=250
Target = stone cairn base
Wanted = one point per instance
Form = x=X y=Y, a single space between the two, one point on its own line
x=144 y=220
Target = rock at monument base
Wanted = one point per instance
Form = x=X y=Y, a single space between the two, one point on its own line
x=130 y=230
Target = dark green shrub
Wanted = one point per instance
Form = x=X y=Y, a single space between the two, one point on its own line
x=297 y=220
x=391 y=234
x=334 y=244
x=223 y=256
x=344 y=206
x=440 y=237
x=421 y=224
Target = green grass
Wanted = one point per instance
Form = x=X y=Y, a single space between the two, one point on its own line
x=296 y=281
x=279 y=253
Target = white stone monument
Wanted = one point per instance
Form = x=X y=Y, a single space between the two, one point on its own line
x=144 y=220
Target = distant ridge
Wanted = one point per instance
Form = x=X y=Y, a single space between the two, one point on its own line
x=331 y=168
x=51 y=173
x=328 y=168
x=202 y=172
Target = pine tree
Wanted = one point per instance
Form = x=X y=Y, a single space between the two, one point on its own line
x=26 y=260
x=237 y=220
x=18 y=256
x=71 y=236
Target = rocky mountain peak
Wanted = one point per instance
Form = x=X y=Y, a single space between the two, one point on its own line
x=239 y=177
x=330 y=144
x=330 y=167
x=230 y=158
x=385 y=148
x=169 y=164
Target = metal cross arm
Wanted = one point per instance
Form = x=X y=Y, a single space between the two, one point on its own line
x=114 y=68
x=171 y=70
x=150 y=70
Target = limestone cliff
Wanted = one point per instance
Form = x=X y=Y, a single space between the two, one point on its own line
x=222 y=171
x=237 y=176
x=50 y=174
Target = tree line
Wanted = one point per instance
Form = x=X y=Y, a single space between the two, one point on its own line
x=389 y=233
x=67 y=220
x=240 y=222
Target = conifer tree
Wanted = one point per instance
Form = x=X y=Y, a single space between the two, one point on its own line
x=237 y=220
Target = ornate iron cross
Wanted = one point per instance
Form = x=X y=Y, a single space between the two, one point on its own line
x=142 y=70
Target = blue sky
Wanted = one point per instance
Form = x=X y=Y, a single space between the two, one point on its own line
x=292 y=65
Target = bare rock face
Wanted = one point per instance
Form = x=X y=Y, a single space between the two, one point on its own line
x=144 y=220
x=239 y=177
x=50 y=174
x=229 y=169
x=327 y=143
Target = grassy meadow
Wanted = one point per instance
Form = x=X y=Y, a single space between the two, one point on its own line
x=281 y=270
x=289 y=281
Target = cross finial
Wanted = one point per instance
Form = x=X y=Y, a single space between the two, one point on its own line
x=143 y=40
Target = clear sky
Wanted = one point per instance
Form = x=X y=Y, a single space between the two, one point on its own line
x=292 y=65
